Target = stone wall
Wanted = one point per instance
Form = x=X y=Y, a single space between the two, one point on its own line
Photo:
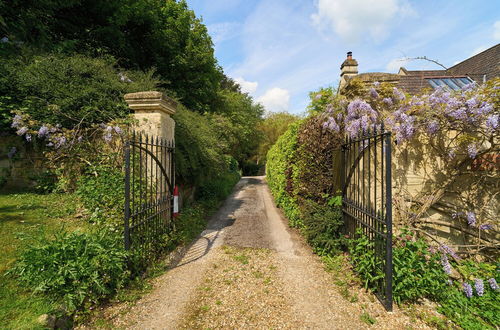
x=20 y=168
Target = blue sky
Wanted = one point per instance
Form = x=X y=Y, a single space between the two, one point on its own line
x=280 y=50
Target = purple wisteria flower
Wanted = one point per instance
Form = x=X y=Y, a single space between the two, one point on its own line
x=317 y=96
x=387 y=101
x=446 y=264
x=416 y=101
x=12 y=152
x=486 y=227
x=460 y=114
x=376 y=84
x=22 y=131
x=469 y=87
x=451 y=153
x=360 y=117
x=80 y=138
x=28 y=137
x=108 y=137
x=43 y=131
x=17 y=121
x=493 y=284
x=60 y=141
x=446 y=249
x=471 y=218
x=398 y=95
x=433 y=127
x=472 y=150
x=492 y=122
x=402 y=124
x=331 y=124
x=479 y=285
x=467 y=290
x=484 y=109
x=373 y=93
x=472 y=102
x=118 y=130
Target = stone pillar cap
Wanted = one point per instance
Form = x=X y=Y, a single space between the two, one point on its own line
x=151 y=101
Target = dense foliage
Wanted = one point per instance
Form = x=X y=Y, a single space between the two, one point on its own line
x=455 y=131
x=64 y=71
x=70 y=64
x=78 y=268
x=273 y=125
x=141 y=34
x=421 y=271
x=312 y=206
x=73 y=90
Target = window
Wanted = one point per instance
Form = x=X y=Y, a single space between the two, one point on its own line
x=454 y=84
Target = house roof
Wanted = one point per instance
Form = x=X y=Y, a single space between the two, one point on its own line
x=480 y=67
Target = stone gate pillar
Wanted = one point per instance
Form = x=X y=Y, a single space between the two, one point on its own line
x=153 y=111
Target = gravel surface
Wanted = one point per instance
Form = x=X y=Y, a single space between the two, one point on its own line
x=249 y=270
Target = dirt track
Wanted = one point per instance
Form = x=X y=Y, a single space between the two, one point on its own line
x=248 y=270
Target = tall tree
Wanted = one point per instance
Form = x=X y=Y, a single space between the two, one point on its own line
x=141 y=34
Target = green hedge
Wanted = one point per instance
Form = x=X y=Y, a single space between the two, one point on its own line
x=279 y=169
x=318 y=216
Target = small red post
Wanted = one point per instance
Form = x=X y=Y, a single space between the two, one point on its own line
x=176 y=202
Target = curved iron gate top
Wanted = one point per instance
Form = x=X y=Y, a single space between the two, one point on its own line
x=149 y=184
x=367 y=201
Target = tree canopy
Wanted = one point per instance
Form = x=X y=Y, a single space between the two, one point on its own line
x=140 y=34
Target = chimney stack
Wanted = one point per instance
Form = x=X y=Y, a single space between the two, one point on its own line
x=348 y=69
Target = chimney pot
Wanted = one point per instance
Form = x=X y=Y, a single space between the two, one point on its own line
x=349 y=55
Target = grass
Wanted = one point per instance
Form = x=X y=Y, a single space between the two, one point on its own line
x=365 y=317
x=24 y=219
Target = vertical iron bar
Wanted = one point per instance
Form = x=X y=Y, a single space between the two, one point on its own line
x=127 y=196
x=389 y=222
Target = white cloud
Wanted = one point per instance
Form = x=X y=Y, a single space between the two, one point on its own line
x=394 y=65
x=353 y=20
x=275 y=99
x=223 y=31
x=496 y=30
x=247 y=86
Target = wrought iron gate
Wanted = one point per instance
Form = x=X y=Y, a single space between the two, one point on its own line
x=149 y=183
x=367 y=201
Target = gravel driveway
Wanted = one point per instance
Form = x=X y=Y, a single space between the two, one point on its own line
x=249 y=270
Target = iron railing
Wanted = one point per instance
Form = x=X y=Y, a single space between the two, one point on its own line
x=367 y=202
x=149 y=184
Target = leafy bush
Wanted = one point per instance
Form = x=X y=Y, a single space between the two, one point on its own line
x=322 y=224
x=77 y=269
x=471 y=313
x=279 y=171
x=199 y=154
x=45 y=182
x=220 y=186
x=101 y=191
x=72 y=90
x=418 y=273
x=364 y=260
